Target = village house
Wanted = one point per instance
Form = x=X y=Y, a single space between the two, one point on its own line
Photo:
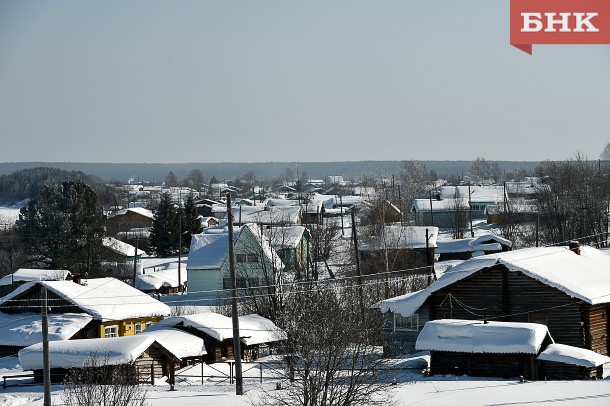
x=127 y=219
x=10 y=282
x=504 y=350
x=400 y=248
x=87 y=308
x=257 y=334
x=291 y=245
x=466 y=248
x=568 y=290
x=208 y=262
x=147 y=359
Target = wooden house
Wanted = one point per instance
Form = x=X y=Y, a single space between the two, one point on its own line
x=127 y=219
x=257 y=334
x=112 y=308
x=566 y=290
x=147 y=359
x=504 y=350
x=291 y=244
x=10 y=282
x=467 y=248
x=399 y=248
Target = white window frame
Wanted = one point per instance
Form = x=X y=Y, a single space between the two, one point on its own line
x=411 y=322
x=111 y=331
x=137 y=327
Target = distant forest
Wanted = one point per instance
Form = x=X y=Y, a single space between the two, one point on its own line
x=157 y=172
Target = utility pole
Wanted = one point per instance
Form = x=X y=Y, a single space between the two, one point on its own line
x=431 y=211
x=180 y=212
x=341 y=203
x=135 y=262
x=46 y=367
x=470 y=210
x=358 y=270
x=239 y=385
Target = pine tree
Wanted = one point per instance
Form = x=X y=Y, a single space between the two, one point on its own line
x=63 y=228
x=164 y=232
x=191 y=224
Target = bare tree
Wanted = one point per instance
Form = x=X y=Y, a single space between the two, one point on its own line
x=333 y=353
x=605 y=155
x=99 y=383
x=458 y=217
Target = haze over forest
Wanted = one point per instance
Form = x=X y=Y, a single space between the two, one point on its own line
x=156 y=172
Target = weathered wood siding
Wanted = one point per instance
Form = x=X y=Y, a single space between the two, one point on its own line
x=482 y=365
x=558 y=371
x=504 y=295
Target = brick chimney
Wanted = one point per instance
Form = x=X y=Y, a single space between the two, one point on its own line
x=575 y=247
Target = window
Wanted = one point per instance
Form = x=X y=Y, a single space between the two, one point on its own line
x=111 y=331
x=243 y=258
x=410 y=323
x=138 y=327
x=148 y=324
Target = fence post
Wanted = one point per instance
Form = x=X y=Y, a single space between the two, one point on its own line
x=202 y=370
x=230 y=373
x=152 y=372
x=260 y=366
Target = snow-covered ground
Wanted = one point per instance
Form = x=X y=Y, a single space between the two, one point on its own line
x=412 y=389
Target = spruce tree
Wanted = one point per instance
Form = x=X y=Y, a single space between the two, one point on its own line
x=164 y=231
x=63 y=229
x=190 y=221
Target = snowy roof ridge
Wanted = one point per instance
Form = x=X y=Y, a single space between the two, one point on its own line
x=568 y=354
x=557 y=267
x=472 y=336
x=76 y=353
x=102 y=298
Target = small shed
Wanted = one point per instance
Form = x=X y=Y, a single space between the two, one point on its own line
x=257 y=334
x=483 y=349
x=563 y=362
x=148 y=359
x=467 y=248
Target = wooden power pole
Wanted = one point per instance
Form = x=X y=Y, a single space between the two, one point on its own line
x=239 y=385
x=46 y=367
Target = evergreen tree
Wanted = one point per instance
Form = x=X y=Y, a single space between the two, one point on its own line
x=63 y=228
x=190 y=221
x=164 y=232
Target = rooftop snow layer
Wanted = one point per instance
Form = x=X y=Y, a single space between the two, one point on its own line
x=102 y=298
x=76 y=353
x=566 y=354
x=21 y=330
x=478 y=337
x=178 y=342
x=29 y=275
x=585 y=276
x=253 y=329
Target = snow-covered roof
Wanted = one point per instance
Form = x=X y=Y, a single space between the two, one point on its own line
x=566 y=354
x=208 y=251
x=450 y=204
x=585 y=276
x=178 y=342
x=21 y=330
x=285 y=237
x=402 y=237
x=121 y=247
x=29 y=275
x=478 y=194
x=471 y=336
x=139 y=210
x=75 y=353
x=102 y=298
x=488 y=242
x=270 y=215
x=153 y=281
x=253 y=329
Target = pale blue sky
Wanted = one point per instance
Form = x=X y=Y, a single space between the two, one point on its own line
x=211 y=81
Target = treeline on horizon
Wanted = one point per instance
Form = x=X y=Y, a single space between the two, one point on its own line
x=157 y=172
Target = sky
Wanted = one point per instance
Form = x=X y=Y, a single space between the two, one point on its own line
x=256 y=81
